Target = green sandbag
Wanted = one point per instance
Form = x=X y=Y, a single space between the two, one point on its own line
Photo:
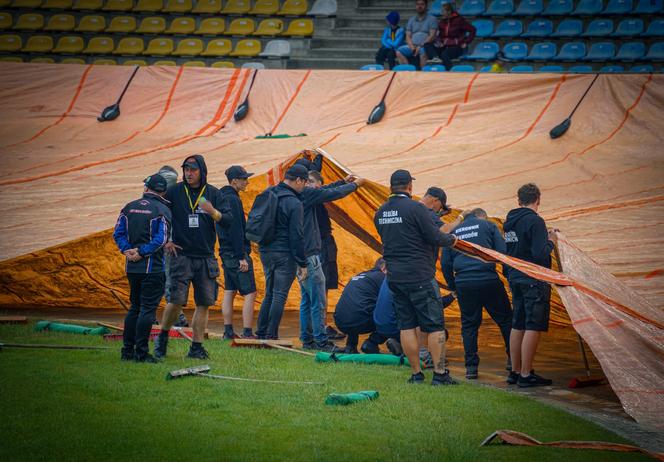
x=70 y=328
x=265 y=137
x=388 y=360
x=344 y=399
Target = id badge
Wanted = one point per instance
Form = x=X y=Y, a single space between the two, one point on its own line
x=193 y=220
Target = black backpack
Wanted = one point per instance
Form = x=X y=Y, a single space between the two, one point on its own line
x=262 y=218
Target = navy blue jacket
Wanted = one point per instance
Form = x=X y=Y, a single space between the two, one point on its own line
x=144 y=224
x=289 y=227
x=322 y=215
x=232 y=238
x=526 y=238
x=358 y=300
x=459 y=268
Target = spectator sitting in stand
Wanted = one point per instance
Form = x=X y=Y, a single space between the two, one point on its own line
x=393 y=38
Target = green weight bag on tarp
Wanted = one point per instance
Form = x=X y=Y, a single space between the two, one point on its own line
x=344 y=399
x=387 y=360
x=70 y=328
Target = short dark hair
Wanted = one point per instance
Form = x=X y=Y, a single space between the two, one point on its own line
x=425 y=1
x=316 y=175
x=395 y=188
x=479 y=213
x=528 y=194
x=379 y=263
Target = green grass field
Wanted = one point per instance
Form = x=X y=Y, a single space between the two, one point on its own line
x=88 y=405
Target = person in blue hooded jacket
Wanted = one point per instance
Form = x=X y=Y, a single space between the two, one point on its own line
x=393 y=38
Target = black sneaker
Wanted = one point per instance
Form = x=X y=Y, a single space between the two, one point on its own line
x=442 y=379
x=350 y=350
x=182 y=321
x=198 y=353
x=311 y=345
x=369 y=348
x=126 y=355
x=471 y=373
x=329 y=347
x=417 y=378
x=512 y=378
x=160 y=346
x=229 y=335
x=394 y=347
x=533 y=380
x=333 y=334
x=148 y=358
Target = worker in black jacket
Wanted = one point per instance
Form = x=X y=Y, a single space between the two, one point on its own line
x=195 y=205
x=410 y=240
x=140 y=233
x=477 y=285
x=283 y=258
x=527 y=238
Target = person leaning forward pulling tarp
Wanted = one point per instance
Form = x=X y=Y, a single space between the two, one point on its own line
x=410 y=240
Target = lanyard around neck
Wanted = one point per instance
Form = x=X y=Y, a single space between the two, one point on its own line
x=200 y=194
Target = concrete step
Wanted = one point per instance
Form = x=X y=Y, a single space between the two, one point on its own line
x=372 y=43
x=361 y=22
x=388 y=5
x=343 y=53
x=359 y=32
x=328 y=63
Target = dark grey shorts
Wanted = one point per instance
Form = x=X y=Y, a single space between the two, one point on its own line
x=201 y=273
x=234 y=279
x=418 y=305
x=531 y=305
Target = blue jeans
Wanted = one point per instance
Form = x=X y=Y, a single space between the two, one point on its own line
x=279 y=269
x=312 y=306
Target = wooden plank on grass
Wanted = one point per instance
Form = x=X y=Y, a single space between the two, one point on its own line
x=258 y=342
x=13 y=320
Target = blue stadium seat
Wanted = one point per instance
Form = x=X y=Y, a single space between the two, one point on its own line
x=436 y=8
x=485 y=69
x=649 y=6
x=434 y=68
x=530 y=8
x=599 y=28
x=515 y=51
x=569 y=28
x=472 y=8
x=571 y=51
x=538 y=29
x=484 y=51
x=404 y=67
x=588 y=8
x=542 y=51
x=372 y=67
x=656 y=52
x=558 y=8
x=500 y=8
x=618 y=7
x=522 y=68
x=462 y=68
x=509 y=28
x=642 y=68
x=484 y=27
x=615 y=69
x=551 y=69
x=583 y=69
x=629 y=28
x=655 y=29
x=601 y=51
x=631 y=51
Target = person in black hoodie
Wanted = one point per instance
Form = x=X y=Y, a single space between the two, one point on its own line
x=195 y=205
x=140 y=233
x=527 y=238
x=235 y=253
x=477 y=285
x=283 y=257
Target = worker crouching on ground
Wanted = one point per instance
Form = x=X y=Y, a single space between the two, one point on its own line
x=410 y=240
x=140 y=233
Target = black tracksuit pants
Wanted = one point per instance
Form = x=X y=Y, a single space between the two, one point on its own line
x=353 y=333
x=145 y=292
x=472 y=297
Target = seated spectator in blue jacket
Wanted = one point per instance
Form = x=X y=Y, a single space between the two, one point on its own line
x=393 y=38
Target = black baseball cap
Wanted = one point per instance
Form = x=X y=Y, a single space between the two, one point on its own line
x=306 y=163
x=439 y=194
x=298 y=171
x=400 y=177
x=235 y=171
x=156 y=183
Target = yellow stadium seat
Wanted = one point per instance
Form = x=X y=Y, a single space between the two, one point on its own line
x=11 y=59
x=241 y=26
x=159 y=47
x=130 y=46
x=211 y=26
x=182 y=26
x=135 y=62
x=61 y=23
x=26 y=3
x=38 y=44
x=69 y=44
x=42 y=60
x=300 y=28
x=94 y=24
x=152 y=25
x=265 y=7
x=218 y=47
x=118 y=5
x=194 y=64
x=178 y=6
x=270 y=27
x=237 y=7
x=88 y=5
x=29 y=21
x=207 y=7
x=58 y=4
x=223 y=65
x=100 y=46
x=104 y=62
x=122 y=25
x=73 y=61
x=10 y=42
x=294 y=8
x=6 y=21
x=149 y=6
x=164 y=62
x=189 y=47
x=246 y=48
